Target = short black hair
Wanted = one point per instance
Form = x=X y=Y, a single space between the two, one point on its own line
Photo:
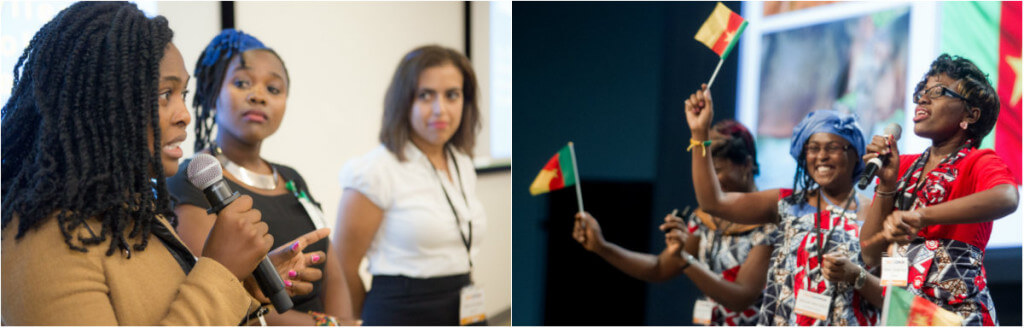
x=83 y=105
x=975 y=87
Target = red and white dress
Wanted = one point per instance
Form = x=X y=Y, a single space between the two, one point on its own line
x=946 y=260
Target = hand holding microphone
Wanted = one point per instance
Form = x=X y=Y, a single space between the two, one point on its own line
x=239 y=239
x=883 y=160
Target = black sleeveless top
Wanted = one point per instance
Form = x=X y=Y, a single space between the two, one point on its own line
x=284 y=215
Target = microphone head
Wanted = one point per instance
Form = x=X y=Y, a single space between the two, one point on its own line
x=204 y=170
x=894 y=129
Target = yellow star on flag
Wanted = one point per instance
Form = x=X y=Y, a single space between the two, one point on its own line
x=1014 y=63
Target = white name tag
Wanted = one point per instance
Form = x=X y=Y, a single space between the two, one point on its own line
x=471 y=305
x=314 y=213
x=702 y=312
x=812 y=304
x=895 y=271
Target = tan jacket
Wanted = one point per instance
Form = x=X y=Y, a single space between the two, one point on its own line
x=47 y=283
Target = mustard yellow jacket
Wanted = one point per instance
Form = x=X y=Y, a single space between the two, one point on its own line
x=47 y=283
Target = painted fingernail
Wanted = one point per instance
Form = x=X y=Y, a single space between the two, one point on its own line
x=292 y=273
x=316 y=258
x=288 y=283
x=295 y=246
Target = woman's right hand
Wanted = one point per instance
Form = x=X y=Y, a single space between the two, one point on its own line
x=885 y=148
x=675 y=234
x=587 y=232
x=296 y=268
x=700 y=111
x=239 y=238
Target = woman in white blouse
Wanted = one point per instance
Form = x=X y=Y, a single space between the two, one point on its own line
x=410 y=205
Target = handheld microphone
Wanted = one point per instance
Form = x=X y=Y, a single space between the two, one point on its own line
x=204 y=172
x=874 y=164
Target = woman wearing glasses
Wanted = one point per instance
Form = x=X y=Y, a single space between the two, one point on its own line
x=822 y=206
x=939 y=205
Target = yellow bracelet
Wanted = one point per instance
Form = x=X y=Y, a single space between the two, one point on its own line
x=703 y=146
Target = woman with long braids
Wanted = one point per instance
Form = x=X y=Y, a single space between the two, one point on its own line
x=242 y=89
x=939 y=205
x=817 y=217
x=728 y=262
x=91 y=130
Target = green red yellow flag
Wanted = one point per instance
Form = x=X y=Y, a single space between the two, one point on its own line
x=721 y=31
x=557 y=174
x=903 y=308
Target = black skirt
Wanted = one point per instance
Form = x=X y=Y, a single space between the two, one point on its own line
x=404 y=301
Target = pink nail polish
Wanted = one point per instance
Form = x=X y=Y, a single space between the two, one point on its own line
x=316 y=258
x=295 y=246
x=292 y=273
x=288 y=283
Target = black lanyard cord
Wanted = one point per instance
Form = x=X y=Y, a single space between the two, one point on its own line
x=467 y=241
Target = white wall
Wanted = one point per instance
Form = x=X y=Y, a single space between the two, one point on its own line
x=340 y=57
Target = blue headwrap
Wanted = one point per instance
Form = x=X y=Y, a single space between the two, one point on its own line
x=825 y=120
x=229 y=43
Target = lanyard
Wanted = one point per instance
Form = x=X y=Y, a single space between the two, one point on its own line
x=824 y=238
x=902 y=202
x=468 y=242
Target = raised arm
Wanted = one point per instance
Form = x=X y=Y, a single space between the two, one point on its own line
x=885 y=196
x=358 y=222
x=745 y=208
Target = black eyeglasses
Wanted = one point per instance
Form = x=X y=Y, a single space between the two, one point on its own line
x=935 y=92
x=831 y=148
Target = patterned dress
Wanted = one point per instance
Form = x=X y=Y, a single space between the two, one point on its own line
x=724 y=247
x=794 y=266
x=946 y=271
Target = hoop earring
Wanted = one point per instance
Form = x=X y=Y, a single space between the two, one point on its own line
x=963 y=125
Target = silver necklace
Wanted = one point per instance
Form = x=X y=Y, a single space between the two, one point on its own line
x=253 y=179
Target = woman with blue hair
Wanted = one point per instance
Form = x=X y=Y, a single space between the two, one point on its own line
x=817 y=234
x=241 y=90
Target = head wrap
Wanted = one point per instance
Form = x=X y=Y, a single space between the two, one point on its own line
x=229 y=43
x=830 y=121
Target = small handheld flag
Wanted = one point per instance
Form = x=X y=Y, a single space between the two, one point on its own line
x=720 y=33
x=903 y=308
x=558 y=173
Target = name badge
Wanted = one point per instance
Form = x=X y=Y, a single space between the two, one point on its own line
x=702 y=312
x=314 y=213
x=895 y=271
x=811 y=304
x=471 y=305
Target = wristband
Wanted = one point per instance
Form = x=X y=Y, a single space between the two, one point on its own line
x=703 y=146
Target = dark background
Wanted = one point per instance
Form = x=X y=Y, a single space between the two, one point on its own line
x=612 y=78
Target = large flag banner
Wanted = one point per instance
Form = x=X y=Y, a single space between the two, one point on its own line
x=903 y=308
x=557 y=174
x=721 y=31
x=1007 y=136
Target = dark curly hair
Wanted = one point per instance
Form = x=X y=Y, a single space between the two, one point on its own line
x=974 y=86
x=211 y=67
x=75 y=129
x=738 y=147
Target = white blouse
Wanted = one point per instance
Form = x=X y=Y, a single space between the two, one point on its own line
x=418 y=237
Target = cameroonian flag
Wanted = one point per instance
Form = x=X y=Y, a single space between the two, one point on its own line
x=557 y=174
x=903 y=308
x=989 y=34
x=721 y=31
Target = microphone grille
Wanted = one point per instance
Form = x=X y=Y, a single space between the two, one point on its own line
x=894 y=129
x=204 y=170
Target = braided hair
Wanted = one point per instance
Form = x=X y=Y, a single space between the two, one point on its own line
x=738 y=146
x=83 y=106
x=211 y=68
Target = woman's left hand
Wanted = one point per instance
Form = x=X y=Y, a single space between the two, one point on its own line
x=838 y=267
x=295 y=267
x=902 y=226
